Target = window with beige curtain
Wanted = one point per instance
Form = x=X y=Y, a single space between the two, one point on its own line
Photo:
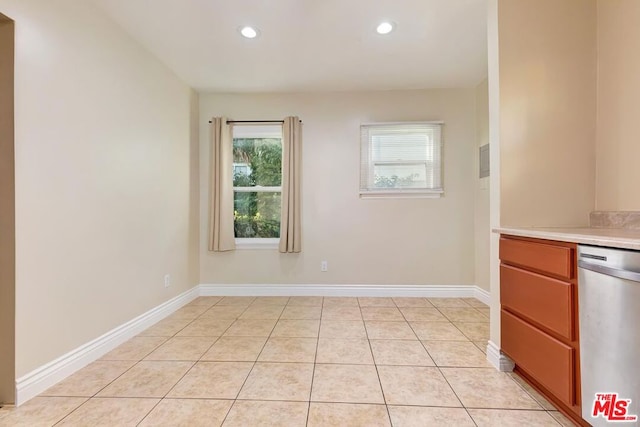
x=260 y=186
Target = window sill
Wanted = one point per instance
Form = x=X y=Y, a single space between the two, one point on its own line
x=248 y=243
x=401 y=194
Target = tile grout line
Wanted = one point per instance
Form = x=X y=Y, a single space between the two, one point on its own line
x=315 y=361
x=235 y=400
x=190 y=368
x=384 y=397
x=440 y=370
x=95 y=395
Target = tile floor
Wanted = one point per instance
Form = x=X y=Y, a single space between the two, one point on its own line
x=299 y=361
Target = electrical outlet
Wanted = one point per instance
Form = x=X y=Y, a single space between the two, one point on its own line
x=324 y=266
x=167 y=280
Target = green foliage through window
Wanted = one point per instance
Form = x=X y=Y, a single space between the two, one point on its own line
x=257 y=162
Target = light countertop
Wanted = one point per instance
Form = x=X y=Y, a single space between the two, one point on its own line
x=609 y=237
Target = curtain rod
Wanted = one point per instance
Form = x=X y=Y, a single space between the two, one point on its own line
x=254 y=121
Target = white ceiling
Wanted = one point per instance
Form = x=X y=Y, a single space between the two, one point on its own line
x=311 y=45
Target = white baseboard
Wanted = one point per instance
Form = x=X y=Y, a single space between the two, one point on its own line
x=40 y=379
x=482 y=295
x=431 y=291
x=501 y=362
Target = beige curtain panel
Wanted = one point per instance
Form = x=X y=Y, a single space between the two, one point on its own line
x=221 y=234
x=290 y=235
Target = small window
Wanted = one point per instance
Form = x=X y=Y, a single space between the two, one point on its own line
x=257 y=183
x=401 y=159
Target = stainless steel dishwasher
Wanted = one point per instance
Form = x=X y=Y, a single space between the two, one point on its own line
x=609 y=305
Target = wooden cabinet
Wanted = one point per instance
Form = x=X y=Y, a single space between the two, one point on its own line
x=539 y=316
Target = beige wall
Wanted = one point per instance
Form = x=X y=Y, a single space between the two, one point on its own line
x=103 y=167
x=7 y=216
x=399 y=241
x=547 y=111
x=481 y=190
x=618 y=131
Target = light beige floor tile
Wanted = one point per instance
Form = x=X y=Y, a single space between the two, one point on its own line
x=448 y=302
x=188 y=413
x=474 y=302
x=212 y=380
x=382 y=313
x=378 y=330
x=260 y=413
x=239 y=301
x=412 y=385
x=165 y=327
x=189 y=312
x=350 y=351
x=235 y=349
x=137 y=348
x=147 y=379
x=482 y=346
x=297 y=328
x=561 y=419
x=223 y=312
x=182 y=348
x=41 y=411
x=463 y=314
x=456 y=353
x=208 y=301
x=110 y=412
x=262 y=312
x=5 y=410
x=263 y=301
x=376 y=302
x=342 y=329
x=486 y=312
x=301 y=312
x=205 y=327
x=488 y=388
x=532 y=392
x=250 y=328
x=423 y=314
x=399 y=352
x=301 y=350
x=278 y=381
x=305 y=301
x=506 y=418
x=346 y=383
x=347 y=414
x=474 y=331
x=340 y=301
x=417 y=416
x=437 y=331
x=333 y=312
x=90 y=379
x=412 y=302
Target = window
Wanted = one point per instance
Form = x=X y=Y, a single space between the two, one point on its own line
x=401 y=159
x=257 y=184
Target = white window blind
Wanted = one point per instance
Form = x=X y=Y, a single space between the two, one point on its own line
x=401 y=159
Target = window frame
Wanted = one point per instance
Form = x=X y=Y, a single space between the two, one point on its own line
x=367 y=193
x=257 y=242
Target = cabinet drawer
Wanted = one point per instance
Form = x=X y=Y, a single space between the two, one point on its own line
x=543 y=357
x=546 y=258
x=542 y=299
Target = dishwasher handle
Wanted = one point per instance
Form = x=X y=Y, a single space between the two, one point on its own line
x=610 y=271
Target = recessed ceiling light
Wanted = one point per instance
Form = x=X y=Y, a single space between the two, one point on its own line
x=384 y=28
x=249 y=32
